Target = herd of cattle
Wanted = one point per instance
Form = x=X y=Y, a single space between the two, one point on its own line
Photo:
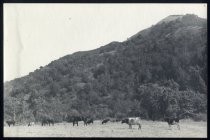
x=75 y=119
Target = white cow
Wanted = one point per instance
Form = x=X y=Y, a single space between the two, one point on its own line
x=31 y=123
x=132 y=121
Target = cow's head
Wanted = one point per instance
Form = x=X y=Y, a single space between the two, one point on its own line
x=125 y=121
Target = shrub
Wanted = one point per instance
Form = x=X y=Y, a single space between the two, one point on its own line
x=200 y=117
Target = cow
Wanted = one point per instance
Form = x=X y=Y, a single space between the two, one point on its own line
x=172 y=121
x=44 y=122
x=47 y=122
x=31 y=123
x=76 y=119
x=90 y=121
x=11 y=123
x=132 y=121
x=87 y=121
x=105 y=121
x=50 y=121
x=118 y=120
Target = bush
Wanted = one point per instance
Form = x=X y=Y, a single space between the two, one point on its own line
x=200 y=117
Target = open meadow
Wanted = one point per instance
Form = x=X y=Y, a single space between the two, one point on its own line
x=111 y=129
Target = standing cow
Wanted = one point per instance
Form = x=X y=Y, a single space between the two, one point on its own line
x=132 y=121
x=44 y=122
x=11 y=123
x=76 y=119
x=172 y=121
x=47 y=121
x=87 y=121
x=31 y=123
x=50 y=121
x=73 y=119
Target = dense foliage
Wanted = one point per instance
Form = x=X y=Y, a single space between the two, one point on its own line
x=161 y=70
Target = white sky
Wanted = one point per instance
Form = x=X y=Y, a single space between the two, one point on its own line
x=36 y=34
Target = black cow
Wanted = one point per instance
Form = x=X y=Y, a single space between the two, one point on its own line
x=105 y=121
x=11 y=123
x=76 y=119
x=51 y=121
x=47 y=122
x=172 y=121
x=44 y=122
x=132 y=121
x=87 y=121
x=118 y=120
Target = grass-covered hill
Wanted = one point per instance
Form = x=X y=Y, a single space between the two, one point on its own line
x=159 y=70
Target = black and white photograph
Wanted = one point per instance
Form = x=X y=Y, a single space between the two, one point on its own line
x=135 y=70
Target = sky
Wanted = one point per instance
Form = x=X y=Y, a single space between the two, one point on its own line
x=36 y=34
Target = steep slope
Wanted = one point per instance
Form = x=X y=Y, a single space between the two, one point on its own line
x=162 y=67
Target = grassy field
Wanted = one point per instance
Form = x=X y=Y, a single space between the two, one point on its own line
x=149 y=129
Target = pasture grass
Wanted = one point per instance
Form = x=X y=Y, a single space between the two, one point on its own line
x=189 y=128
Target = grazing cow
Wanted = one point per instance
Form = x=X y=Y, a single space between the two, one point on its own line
x=11 y=123
x=87 y=121
x=105 y=121
x=172 y=121
x=31 y=123
x=132 y=121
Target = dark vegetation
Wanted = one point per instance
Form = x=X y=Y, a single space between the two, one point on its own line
x=160 y=70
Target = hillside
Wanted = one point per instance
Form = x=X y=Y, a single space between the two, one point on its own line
x=159 y=70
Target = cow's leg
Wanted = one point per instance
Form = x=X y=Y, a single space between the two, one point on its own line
x=170 y=127
x=9 y=124
x=178 y=126
x=139 y=126
x=130 y=126
x=77 y=123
